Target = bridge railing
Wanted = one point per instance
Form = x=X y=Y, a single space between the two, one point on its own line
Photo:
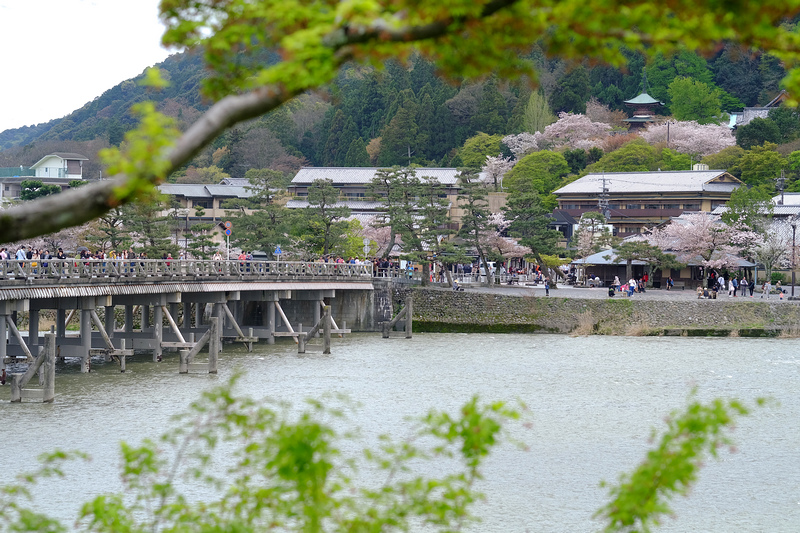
x=74 y=270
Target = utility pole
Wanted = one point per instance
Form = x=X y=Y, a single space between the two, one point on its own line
x=602 y=201
x=782 y=184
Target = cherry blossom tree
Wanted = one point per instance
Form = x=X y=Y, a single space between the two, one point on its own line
x=574 y=131
x=495 y=168
x=522 y=143
x=774 y=250
x=704 y=238
x=505 y=246
x=691 y=137
x=379 y=236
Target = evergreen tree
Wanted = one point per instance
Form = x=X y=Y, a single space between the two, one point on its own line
x=395 y=188
x=433 y=221
x=757 y=132
x=109 y=231
x=32 y=189
x=199 y=239
x=151 y=226
x=788 y=121
x=736 y=71
x=530 y=222
x=347 y=137
x=326 y=220
x=421 y=74
x=492 y=112
x=516 y=121
x=357 y=155
x=442 y=136
x=772 y=72
x=425 y=122
x=268 y=224
x=572 y=93
x=472 y=199
x=576 y=159
x=399 y=140
x=334 y=151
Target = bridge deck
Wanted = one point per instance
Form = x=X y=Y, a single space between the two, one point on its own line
x=54 y=278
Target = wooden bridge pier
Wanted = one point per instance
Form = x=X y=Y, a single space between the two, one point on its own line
x=45 y=365
x=406 y=312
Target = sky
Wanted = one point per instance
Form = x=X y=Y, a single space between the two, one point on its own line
x=57 y=55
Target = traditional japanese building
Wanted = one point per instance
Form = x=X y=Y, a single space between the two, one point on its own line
x=644 y=113
x=634 y=201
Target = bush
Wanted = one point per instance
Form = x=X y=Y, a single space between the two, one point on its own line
x=778 y=276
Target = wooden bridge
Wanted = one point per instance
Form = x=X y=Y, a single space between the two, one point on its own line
x=127 y=305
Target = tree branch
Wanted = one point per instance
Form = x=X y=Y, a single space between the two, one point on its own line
x=78 y=206
x=81 y=205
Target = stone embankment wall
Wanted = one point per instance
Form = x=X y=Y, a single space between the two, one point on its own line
x=443 y=310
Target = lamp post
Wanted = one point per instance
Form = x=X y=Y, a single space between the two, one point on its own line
x=794 y=231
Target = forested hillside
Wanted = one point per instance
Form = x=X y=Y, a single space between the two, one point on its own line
x=402 y=114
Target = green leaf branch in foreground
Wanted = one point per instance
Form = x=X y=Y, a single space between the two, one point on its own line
x=253 y=466
x=642 y=497
x=263 y=465
x=466 y=38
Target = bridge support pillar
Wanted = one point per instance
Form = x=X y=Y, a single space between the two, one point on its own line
x=110 y=321
x=173 y=311
x=128 y=327
x=220 y=314
x=3 y=346
x=145 y=318
x=316 y=317
x=158 y=333
x=33 y=329
x=61 y=323
x=270 y=316
x=198 y=314
x=86 y=339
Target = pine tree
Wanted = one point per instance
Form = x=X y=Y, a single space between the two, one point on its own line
x=325 y=219
x=199 y=241
x=473 y=202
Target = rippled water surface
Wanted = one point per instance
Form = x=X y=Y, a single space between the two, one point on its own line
x=593 y=401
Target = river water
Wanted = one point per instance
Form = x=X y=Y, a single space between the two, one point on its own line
x=593 y=403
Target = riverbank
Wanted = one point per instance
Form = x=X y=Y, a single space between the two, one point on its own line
x=591 y=311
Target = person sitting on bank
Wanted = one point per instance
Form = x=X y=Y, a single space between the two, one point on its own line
x=456 y=286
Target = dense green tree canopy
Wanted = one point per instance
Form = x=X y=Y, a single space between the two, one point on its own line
x=751 y=207
x=476 y=149
x=757 y=132
x=32 y=189
x=634 y=156
x=725 y=158
x=761 y=165
x=543 y=170
x=694 y=100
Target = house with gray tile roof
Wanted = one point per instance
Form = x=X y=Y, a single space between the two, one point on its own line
x=638 y=200
x=354 y=182
x=749 y=113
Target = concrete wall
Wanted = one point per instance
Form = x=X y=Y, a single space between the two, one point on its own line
x=445 y=310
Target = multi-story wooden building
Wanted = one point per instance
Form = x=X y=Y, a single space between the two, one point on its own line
x=634 y=201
